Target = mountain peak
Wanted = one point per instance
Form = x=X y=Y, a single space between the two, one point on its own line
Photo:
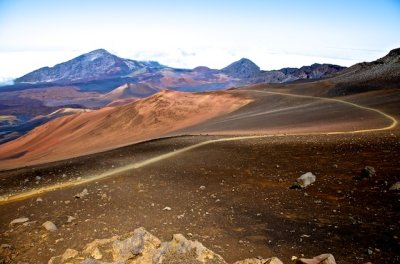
x=243 y=68
x=245 y=60
x=392 y=57
x=98 y=52
x=95 y=65
x=95 y=54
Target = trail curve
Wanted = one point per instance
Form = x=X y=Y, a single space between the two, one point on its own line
x=24 y=195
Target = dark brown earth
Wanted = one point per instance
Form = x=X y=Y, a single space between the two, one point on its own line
x=245 y=210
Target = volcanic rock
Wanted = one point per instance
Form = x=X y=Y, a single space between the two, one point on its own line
x=19 y=220
x=367 y=173
x=304 y=180
x=321 y=259
x=50 y=226
x=395 y=187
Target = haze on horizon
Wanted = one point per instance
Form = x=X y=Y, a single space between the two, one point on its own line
x=186 y=34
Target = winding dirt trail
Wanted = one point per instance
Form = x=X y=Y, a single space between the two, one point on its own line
x=24 y=195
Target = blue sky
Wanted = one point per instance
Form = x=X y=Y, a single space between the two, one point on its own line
x=274 y=34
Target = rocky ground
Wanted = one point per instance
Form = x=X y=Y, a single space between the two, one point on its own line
x=234 y=197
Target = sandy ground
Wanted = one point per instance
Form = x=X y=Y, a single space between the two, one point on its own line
x=175 y=113
x=245 y=210
x=110 y=127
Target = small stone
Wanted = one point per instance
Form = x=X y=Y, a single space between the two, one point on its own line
x=50 y=226
x=96 y=254
x=202 y=188
x=70 y=219
x=367 y=173
x=6 y=246
x=38 y=178
x=39 y=200
x=274 y=260
x=321 y=259
x=180 y=216
x=82 y=194
x=304 y=180
x=259 y=260
x=69 y=254
x=395 y=187
x=19 y=220
x=167 y=208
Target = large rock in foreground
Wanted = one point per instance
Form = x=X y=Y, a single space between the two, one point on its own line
x=142 y=247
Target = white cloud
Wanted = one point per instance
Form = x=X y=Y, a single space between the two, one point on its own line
x=17 y=63
x=6 y=81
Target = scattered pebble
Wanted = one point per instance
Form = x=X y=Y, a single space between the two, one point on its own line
x=395 y=187
x=82 y=194
x=19 y=220
x=50 y=226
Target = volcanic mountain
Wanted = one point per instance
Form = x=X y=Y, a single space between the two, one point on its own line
x=131 y=90
x=243 y=69
x=385 y=68
x=110 y=127
x=97 y=64
x=101 y=70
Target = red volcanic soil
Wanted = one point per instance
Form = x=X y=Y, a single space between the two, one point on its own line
x=120 y=102
x=111 y=127
x=221 y=113
x=283 y=113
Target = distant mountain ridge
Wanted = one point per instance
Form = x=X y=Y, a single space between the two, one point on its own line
x=95 y=66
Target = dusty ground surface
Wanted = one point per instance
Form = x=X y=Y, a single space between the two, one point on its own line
x=111 y=127
x=245 y=210
x=173 y=113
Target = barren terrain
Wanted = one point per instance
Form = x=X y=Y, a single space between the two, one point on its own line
x=231 y=193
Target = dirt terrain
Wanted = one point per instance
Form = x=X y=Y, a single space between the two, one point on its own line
x=255 y=110
x=245 y=208
x=231 y=193
x=111 y=127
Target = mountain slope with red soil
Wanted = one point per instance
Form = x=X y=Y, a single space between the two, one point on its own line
x=111 y=127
